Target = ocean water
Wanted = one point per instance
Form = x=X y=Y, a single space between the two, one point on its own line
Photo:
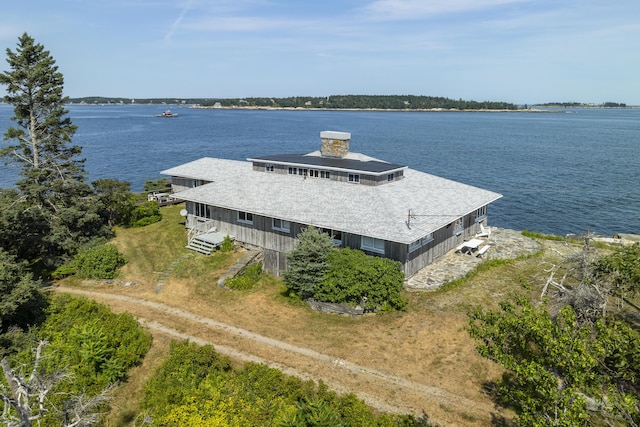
x=563 y=172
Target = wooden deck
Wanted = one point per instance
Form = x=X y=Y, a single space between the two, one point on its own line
x=206 y=243
x=213 y=237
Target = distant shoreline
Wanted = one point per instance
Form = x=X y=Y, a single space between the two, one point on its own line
x=389 y=110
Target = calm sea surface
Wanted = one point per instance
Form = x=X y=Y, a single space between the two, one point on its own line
x=567 y=172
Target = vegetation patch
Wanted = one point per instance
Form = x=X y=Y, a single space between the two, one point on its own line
x=197 y=386
x=320 y=271
x=573 y=359
x=246 y=278
x=537 y=235
x=100 y=262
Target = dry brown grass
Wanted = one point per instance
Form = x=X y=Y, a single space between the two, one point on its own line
x=425 y=345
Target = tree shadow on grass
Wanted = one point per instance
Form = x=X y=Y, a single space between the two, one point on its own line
x=492 y=389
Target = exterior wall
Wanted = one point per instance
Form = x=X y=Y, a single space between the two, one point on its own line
x=444 y=240
x=180 y=184
x=334 y=175
x=276 y=243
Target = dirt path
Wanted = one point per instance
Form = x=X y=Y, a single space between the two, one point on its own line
x=394 y=393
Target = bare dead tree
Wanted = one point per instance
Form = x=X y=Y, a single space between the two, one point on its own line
x=578 y=286
x=28 y=395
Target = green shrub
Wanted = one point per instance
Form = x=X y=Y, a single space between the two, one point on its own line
x=99 y=262
x=195 y=386
x=247 y=278
x=354 y=277
x=64 y=270
x=95 y=346
x=145 y=213
x=227 y=244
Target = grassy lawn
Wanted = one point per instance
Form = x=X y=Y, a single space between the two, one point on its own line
x=158 y=249
x=427 y=344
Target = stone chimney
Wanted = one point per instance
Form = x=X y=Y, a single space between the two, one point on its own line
x=334 y=144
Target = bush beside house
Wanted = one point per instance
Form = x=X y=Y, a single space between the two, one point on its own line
x=320 y=271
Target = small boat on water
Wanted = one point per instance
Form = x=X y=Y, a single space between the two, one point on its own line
x=167 y=113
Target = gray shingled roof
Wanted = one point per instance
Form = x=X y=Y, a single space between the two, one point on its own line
x=376 y=211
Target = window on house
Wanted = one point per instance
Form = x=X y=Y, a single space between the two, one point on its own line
x=353 y=177
x=458 y=227
x=324 y=174
x=293 y=171
x=372 y=244
x=481 y=213
x=281 y=225
x=245 y=217
x=269 y=168
x=202 y=210
x=303 y=171
x=390 y=177
x=420 y=242
x=336 y=235
x=313 y=173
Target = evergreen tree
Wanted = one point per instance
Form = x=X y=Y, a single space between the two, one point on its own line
x=21 y=302
x=52 y=174
x=308 y=262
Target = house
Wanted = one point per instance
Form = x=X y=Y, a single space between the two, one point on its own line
x=382 y=208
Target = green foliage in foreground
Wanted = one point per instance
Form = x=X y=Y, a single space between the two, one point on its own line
x=561 y=372
x=21 y=302
x=89 y=349
x=197 y=387
x=568 y=368
x=96 y=345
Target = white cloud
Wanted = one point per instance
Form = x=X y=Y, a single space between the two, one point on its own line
x=178 y=20
x=416 y=9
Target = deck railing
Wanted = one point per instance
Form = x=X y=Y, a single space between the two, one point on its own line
x=200 y=227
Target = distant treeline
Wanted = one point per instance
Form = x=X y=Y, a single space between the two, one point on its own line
x=382 y=102
x=583 y=105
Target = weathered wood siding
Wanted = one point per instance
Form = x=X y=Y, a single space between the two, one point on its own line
x=181 y=184
x=276 y=243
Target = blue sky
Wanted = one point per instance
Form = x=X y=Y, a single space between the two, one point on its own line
x=521 y=51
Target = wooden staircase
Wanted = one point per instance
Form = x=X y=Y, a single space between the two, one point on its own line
x=205 y=238
x=202 y=246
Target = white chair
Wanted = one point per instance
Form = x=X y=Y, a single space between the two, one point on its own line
x=484 y=232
